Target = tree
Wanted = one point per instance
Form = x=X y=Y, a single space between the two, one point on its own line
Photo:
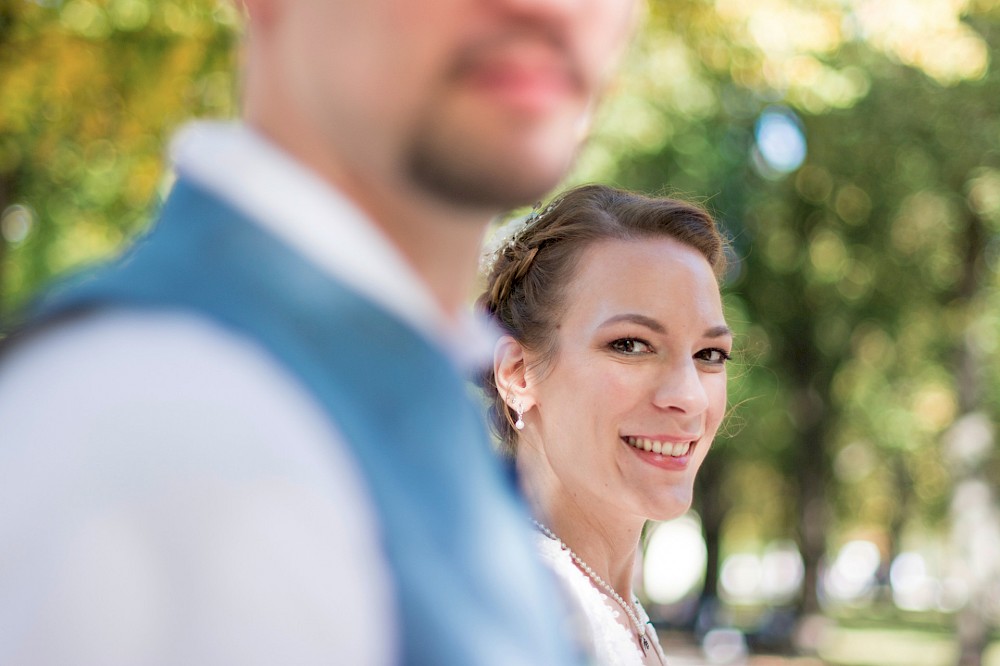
x=92 y=90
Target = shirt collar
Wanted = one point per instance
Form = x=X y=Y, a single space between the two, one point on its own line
x=294 y=204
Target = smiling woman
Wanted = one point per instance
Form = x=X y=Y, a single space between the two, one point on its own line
x=608 y=387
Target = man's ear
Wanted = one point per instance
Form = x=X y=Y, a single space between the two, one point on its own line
x=508 y=371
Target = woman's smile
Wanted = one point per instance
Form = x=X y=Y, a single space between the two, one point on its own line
x=672 y=448
x=668 y=455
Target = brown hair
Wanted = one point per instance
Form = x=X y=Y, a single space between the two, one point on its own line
x=524 y=288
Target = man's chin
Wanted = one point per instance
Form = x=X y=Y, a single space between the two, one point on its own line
x=499 y=181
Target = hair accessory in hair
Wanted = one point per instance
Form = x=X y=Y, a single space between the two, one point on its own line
x=508 y=234
x=538 y=213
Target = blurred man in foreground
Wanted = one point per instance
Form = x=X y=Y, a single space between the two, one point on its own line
x=249 y=440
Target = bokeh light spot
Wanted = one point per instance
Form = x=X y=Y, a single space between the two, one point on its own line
x=780 y=145
x=675 y=560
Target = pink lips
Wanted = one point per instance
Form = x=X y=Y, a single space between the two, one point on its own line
x=670 y=456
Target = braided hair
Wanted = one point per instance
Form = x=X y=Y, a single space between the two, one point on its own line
x=525 y=285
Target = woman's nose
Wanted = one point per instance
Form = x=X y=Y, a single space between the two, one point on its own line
x=680 y=388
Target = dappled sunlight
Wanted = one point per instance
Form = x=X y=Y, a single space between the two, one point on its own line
x=92 y=91
x=773 y=577
x=928 y=34
x=984 y=193
x=674 y=560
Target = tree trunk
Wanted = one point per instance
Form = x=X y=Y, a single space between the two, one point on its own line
x=712 y=511
x=813 y=514
x=810 y=466
x=975 y=522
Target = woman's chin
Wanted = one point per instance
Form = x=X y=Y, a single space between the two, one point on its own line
x=669 y=508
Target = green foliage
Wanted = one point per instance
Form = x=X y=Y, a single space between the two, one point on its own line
x=92 y=91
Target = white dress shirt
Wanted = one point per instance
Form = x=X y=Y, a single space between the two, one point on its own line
x=170 y=495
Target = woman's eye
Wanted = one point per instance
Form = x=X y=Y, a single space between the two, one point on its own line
x=631 y=346
x=713 y=356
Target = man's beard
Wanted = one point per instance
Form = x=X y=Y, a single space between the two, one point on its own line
x=459 y=173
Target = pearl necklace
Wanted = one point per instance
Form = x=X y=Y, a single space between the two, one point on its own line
x=640 y=628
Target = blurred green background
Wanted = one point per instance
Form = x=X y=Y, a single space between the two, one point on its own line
x=851 y=150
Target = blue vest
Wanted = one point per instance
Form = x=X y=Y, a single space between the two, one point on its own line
x=457 y=538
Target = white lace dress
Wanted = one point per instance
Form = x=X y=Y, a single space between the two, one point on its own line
x=606 y=639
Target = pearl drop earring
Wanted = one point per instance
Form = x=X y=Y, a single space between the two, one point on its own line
x=517 y=406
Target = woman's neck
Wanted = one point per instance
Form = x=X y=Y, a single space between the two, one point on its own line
x=597 y=532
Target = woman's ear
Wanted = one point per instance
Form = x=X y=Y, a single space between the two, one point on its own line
x=508 y=370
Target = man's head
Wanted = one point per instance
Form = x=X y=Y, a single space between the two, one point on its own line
x=476 y=103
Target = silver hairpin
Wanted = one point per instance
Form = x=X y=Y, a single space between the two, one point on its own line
x=508 y=234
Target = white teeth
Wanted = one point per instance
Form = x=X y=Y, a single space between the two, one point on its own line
x=675 y=450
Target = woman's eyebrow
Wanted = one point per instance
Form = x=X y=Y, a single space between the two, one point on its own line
x=718 y=332
x=635 y=318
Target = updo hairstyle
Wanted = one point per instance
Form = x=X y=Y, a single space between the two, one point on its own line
x=526 y=285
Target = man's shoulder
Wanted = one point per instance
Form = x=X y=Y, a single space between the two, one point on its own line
x=144 y=349
x=137 y=404
x=152 y=376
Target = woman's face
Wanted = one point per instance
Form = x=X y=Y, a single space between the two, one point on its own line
x=626 y=410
